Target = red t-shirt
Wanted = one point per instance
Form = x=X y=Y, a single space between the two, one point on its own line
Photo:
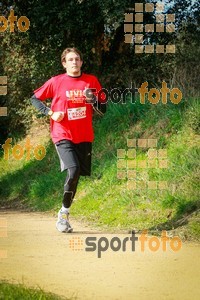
x=66 y=93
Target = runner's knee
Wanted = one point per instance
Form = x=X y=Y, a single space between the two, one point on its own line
x=73 y=175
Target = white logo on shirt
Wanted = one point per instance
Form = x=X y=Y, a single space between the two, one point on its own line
x=76 y=96
x=76 y=113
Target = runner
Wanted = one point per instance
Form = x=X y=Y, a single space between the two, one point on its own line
x=74 y=95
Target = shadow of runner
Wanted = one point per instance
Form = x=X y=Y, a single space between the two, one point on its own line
x=181 y=218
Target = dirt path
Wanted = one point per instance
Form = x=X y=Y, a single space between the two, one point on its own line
x=38 y=255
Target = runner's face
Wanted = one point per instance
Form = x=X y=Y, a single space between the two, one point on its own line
x=73 y=64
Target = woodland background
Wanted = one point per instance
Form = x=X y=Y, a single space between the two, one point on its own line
x=97 y=29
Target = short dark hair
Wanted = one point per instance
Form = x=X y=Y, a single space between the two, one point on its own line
x=68 y=50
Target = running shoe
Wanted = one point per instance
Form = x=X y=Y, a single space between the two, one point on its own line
x=62 y=223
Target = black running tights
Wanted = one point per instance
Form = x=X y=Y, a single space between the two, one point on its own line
x=70 y=186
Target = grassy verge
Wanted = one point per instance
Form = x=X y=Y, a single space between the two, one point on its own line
x=18 y=292
x=106 y=200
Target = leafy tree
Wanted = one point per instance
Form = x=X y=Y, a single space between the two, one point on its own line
x=97 y=29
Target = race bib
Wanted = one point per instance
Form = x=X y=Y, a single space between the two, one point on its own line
x=76 y=113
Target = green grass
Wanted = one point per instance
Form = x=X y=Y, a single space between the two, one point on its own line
x=18 y=292
x=103 y=199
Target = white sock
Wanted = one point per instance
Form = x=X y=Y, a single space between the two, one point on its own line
x=64 y=209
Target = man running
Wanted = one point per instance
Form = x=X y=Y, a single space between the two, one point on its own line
x=74 y=95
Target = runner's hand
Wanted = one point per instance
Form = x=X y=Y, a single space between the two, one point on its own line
x=58 y=116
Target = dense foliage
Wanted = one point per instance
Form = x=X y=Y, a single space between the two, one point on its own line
x=97 y=29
